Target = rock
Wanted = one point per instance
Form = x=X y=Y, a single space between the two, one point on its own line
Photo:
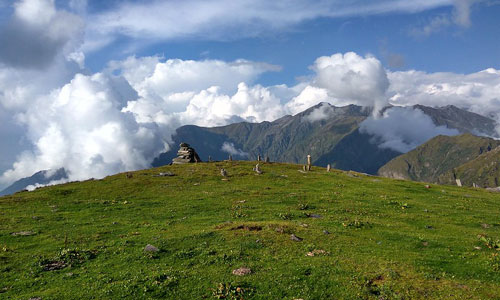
x=23 y=233
x=150 y=248
x=185 y=155
x=165 y=174
x=427 y=186
x=242 y=271
x=54 y=265
x=223 y=173
x=326 y=232
x=295 y=238
x=257 y=169
x=328 y=168
x=35 y=298
x=317 y=252
x=485 y=226
x=314 y=216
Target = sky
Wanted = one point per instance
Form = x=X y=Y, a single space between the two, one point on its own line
x=99 y=87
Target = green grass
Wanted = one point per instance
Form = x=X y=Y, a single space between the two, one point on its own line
x=388 y=239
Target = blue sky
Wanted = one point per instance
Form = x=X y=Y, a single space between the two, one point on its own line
x=99 y=87
x=452 y=48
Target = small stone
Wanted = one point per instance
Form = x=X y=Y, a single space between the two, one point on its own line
x=196 y=184
x=23 y=233
x=316 y=252
x=485 y=226
x=242 y=271
x=69 y=274
x=54 y=265
x=150 y=248
x=164 y=174
x=315 y=216
x=35 y=298
x=425 y=244
x=477 y=248
x=326 y=232
x=295 y=238
x=223 y=173
x=427 y=186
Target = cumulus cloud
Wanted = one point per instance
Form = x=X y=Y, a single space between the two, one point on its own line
x=231 y=149
x=403 y=129
x=36 y=33
x=226 y=19
x=351 y=79
x=81 y=127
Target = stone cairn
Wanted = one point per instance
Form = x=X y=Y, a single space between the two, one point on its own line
x=185 y=155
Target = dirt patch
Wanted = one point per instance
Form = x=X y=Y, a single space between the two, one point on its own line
x=248 y=228
x=53 y=265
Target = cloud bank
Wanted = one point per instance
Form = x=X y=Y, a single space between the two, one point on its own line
x=403 y=129
x=232 y=150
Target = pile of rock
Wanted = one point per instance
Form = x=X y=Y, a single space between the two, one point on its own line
x=185 y=155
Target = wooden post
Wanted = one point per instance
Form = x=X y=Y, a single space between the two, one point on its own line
x=259 y=158
x=328 y=168
x=308 y=162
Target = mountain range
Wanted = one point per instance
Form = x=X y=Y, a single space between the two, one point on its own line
x=330 y=134
x=332 y=138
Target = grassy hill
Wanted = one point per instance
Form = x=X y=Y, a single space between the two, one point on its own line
x=484 y=171
x=438 y=156
x=362 y=237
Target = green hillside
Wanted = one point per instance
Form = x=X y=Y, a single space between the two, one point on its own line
x=359 y=237
x=484 y=171
x=436 y=157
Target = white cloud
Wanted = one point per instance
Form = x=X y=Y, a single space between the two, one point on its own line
x=81 y=127
x=403 y=129
x=352 y=79
x=227 y=19
x=323 y=112
x=231 y=149
x=478 y=92
x=460 y=16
